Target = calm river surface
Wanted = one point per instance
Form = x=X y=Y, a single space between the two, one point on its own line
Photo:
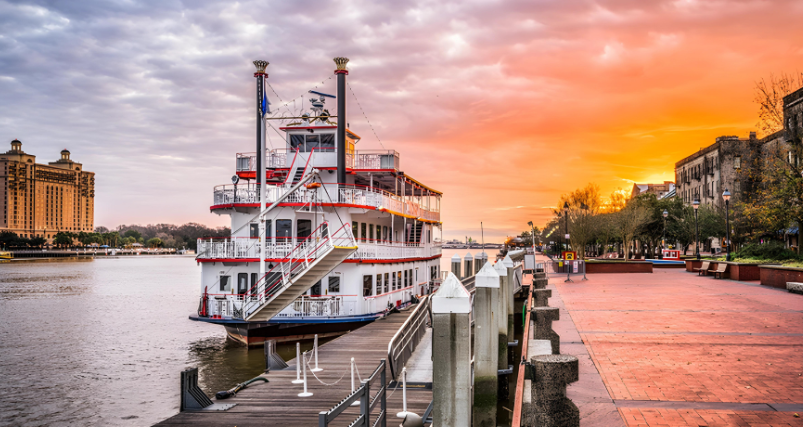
x=103 y=342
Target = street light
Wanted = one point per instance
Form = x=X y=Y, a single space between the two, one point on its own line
x=696 y=205
x=532 y=227
x=726 y=195
x=566 y=222
x=663 y=241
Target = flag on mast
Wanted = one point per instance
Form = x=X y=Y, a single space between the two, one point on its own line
x=265 y=102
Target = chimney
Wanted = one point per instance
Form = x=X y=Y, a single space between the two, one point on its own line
x=341 y=72
x=752 y=136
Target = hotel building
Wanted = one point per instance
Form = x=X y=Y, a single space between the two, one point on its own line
x=40 y=200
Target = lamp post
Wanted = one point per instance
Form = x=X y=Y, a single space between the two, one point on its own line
x=726 y=195
x=696 y=205
x=566 y=222
x=532 y=227
x=663 y=240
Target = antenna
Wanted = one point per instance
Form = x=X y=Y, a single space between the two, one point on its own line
x=482 y=234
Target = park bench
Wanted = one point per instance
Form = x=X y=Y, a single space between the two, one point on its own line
x=719 y=271
x=702 y=271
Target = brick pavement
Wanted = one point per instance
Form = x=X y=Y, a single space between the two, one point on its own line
x=701 y=349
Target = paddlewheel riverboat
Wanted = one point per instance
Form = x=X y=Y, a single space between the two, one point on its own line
x=325 y=237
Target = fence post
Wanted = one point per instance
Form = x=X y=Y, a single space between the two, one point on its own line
x=384 y=402
x=299 y=362
x=451 y=350
x=316 y=368
x=365 y=403
x=486 y=353
x=304 y=361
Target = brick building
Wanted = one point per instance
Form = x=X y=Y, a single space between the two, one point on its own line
x=41 y=200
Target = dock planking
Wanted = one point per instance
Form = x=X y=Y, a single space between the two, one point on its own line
x=276 y=403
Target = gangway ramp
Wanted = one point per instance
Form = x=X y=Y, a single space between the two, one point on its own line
x=276 y=403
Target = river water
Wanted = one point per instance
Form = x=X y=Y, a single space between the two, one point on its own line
x=103 y=342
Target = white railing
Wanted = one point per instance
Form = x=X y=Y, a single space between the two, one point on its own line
x=244 y=247
x=365 y=159
x=334 y=193
x=322 y=306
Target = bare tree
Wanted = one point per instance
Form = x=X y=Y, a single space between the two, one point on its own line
x=769 y=97
x=628 y=221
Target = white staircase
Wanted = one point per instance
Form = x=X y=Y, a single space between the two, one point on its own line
x=308 y=263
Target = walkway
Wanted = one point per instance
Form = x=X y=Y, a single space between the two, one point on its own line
x=675 y=349
x=277 y=404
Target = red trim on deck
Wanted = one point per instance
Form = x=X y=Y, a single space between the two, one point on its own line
x=350 y=261
x=255 y=205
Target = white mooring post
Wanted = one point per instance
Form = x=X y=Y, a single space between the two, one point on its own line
x=298 y=379
x=486 y=346
x=315 y=349
x=456 y=263
x=509 y=300
x=353 y=366
x=304 y=361
x=404 y=412
x=451 y=350
x=501 y=313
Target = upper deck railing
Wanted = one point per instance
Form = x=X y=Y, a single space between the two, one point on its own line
x=250 y=248
x=362 y=159
x=412 y=206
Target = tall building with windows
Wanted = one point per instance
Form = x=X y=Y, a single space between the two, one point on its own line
x=40 y=200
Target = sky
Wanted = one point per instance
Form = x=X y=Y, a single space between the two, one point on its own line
x=502 y=105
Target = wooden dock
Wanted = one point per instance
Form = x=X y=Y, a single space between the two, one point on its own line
x=276 y=403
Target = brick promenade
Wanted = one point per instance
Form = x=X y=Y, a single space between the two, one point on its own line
x=675 y=349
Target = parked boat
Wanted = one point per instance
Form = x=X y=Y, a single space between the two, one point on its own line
x=344 y=237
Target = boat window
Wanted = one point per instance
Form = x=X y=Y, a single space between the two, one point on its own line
x=429 y=236
x=315 y=289
x=254 y=277
x=413 y=277
x=242 y=283
x=393 y=288
x=399 y=284
x=224 y=283
x=284 y=229
x=304 y=228
x=367 y=285
x=327 y=141
x=371 y=231
x=254 y=230
x=313 y=142
x=334 y=283
x=297 y=141
x=363 y=229
x=379 y=289
x=405 y=279
x=386 y=288
x=355 y=229
x=385 y=233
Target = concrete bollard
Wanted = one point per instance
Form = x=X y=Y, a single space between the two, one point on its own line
x=543 y=325
x=550 y=406
x=501 y=317
x=451 y=354
x=541 y=297
x=540 y=283
x=456 y=263
x=479 y=261
x=510 y=300
x=539 y=275
x=469 y=265
x=486 y=354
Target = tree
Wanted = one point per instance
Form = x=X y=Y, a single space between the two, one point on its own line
x=769 y=97
x=63 y=239
x=628 y=221
x=584 y=203
x=154 y=242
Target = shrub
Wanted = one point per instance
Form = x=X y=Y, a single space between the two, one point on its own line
x=769 y=251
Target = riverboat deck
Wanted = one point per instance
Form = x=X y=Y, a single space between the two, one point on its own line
x=276 y=402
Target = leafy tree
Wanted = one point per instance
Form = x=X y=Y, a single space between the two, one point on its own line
x=63 y=239
x=133 y=233
x=628 y=221
x=154 y=242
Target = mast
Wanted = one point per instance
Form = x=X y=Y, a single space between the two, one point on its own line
x=341 y=72
x=260 y=169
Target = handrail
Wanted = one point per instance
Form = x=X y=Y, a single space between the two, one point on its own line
x=367 y=402
x=403 y=343
x=291 y=168
x=519 y=393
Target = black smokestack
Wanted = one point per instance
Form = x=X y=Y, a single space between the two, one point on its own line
x=341 y=118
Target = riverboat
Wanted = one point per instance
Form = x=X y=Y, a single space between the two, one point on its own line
x=336 y=237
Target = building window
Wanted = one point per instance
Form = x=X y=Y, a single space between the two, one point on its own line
x=334 y=283
x=737 y=162
x=367 y=285
x=737 y=186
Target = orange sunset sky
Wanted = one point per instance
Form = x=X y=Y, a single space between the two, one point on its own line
x=502 y=105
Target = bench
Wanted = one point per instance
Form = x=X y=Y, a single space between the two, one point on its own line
x=719 y=271
x=703 y=268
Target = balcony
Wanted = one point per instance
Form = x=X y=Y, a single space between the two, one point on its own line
x=277 y=248
x=411 y=206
